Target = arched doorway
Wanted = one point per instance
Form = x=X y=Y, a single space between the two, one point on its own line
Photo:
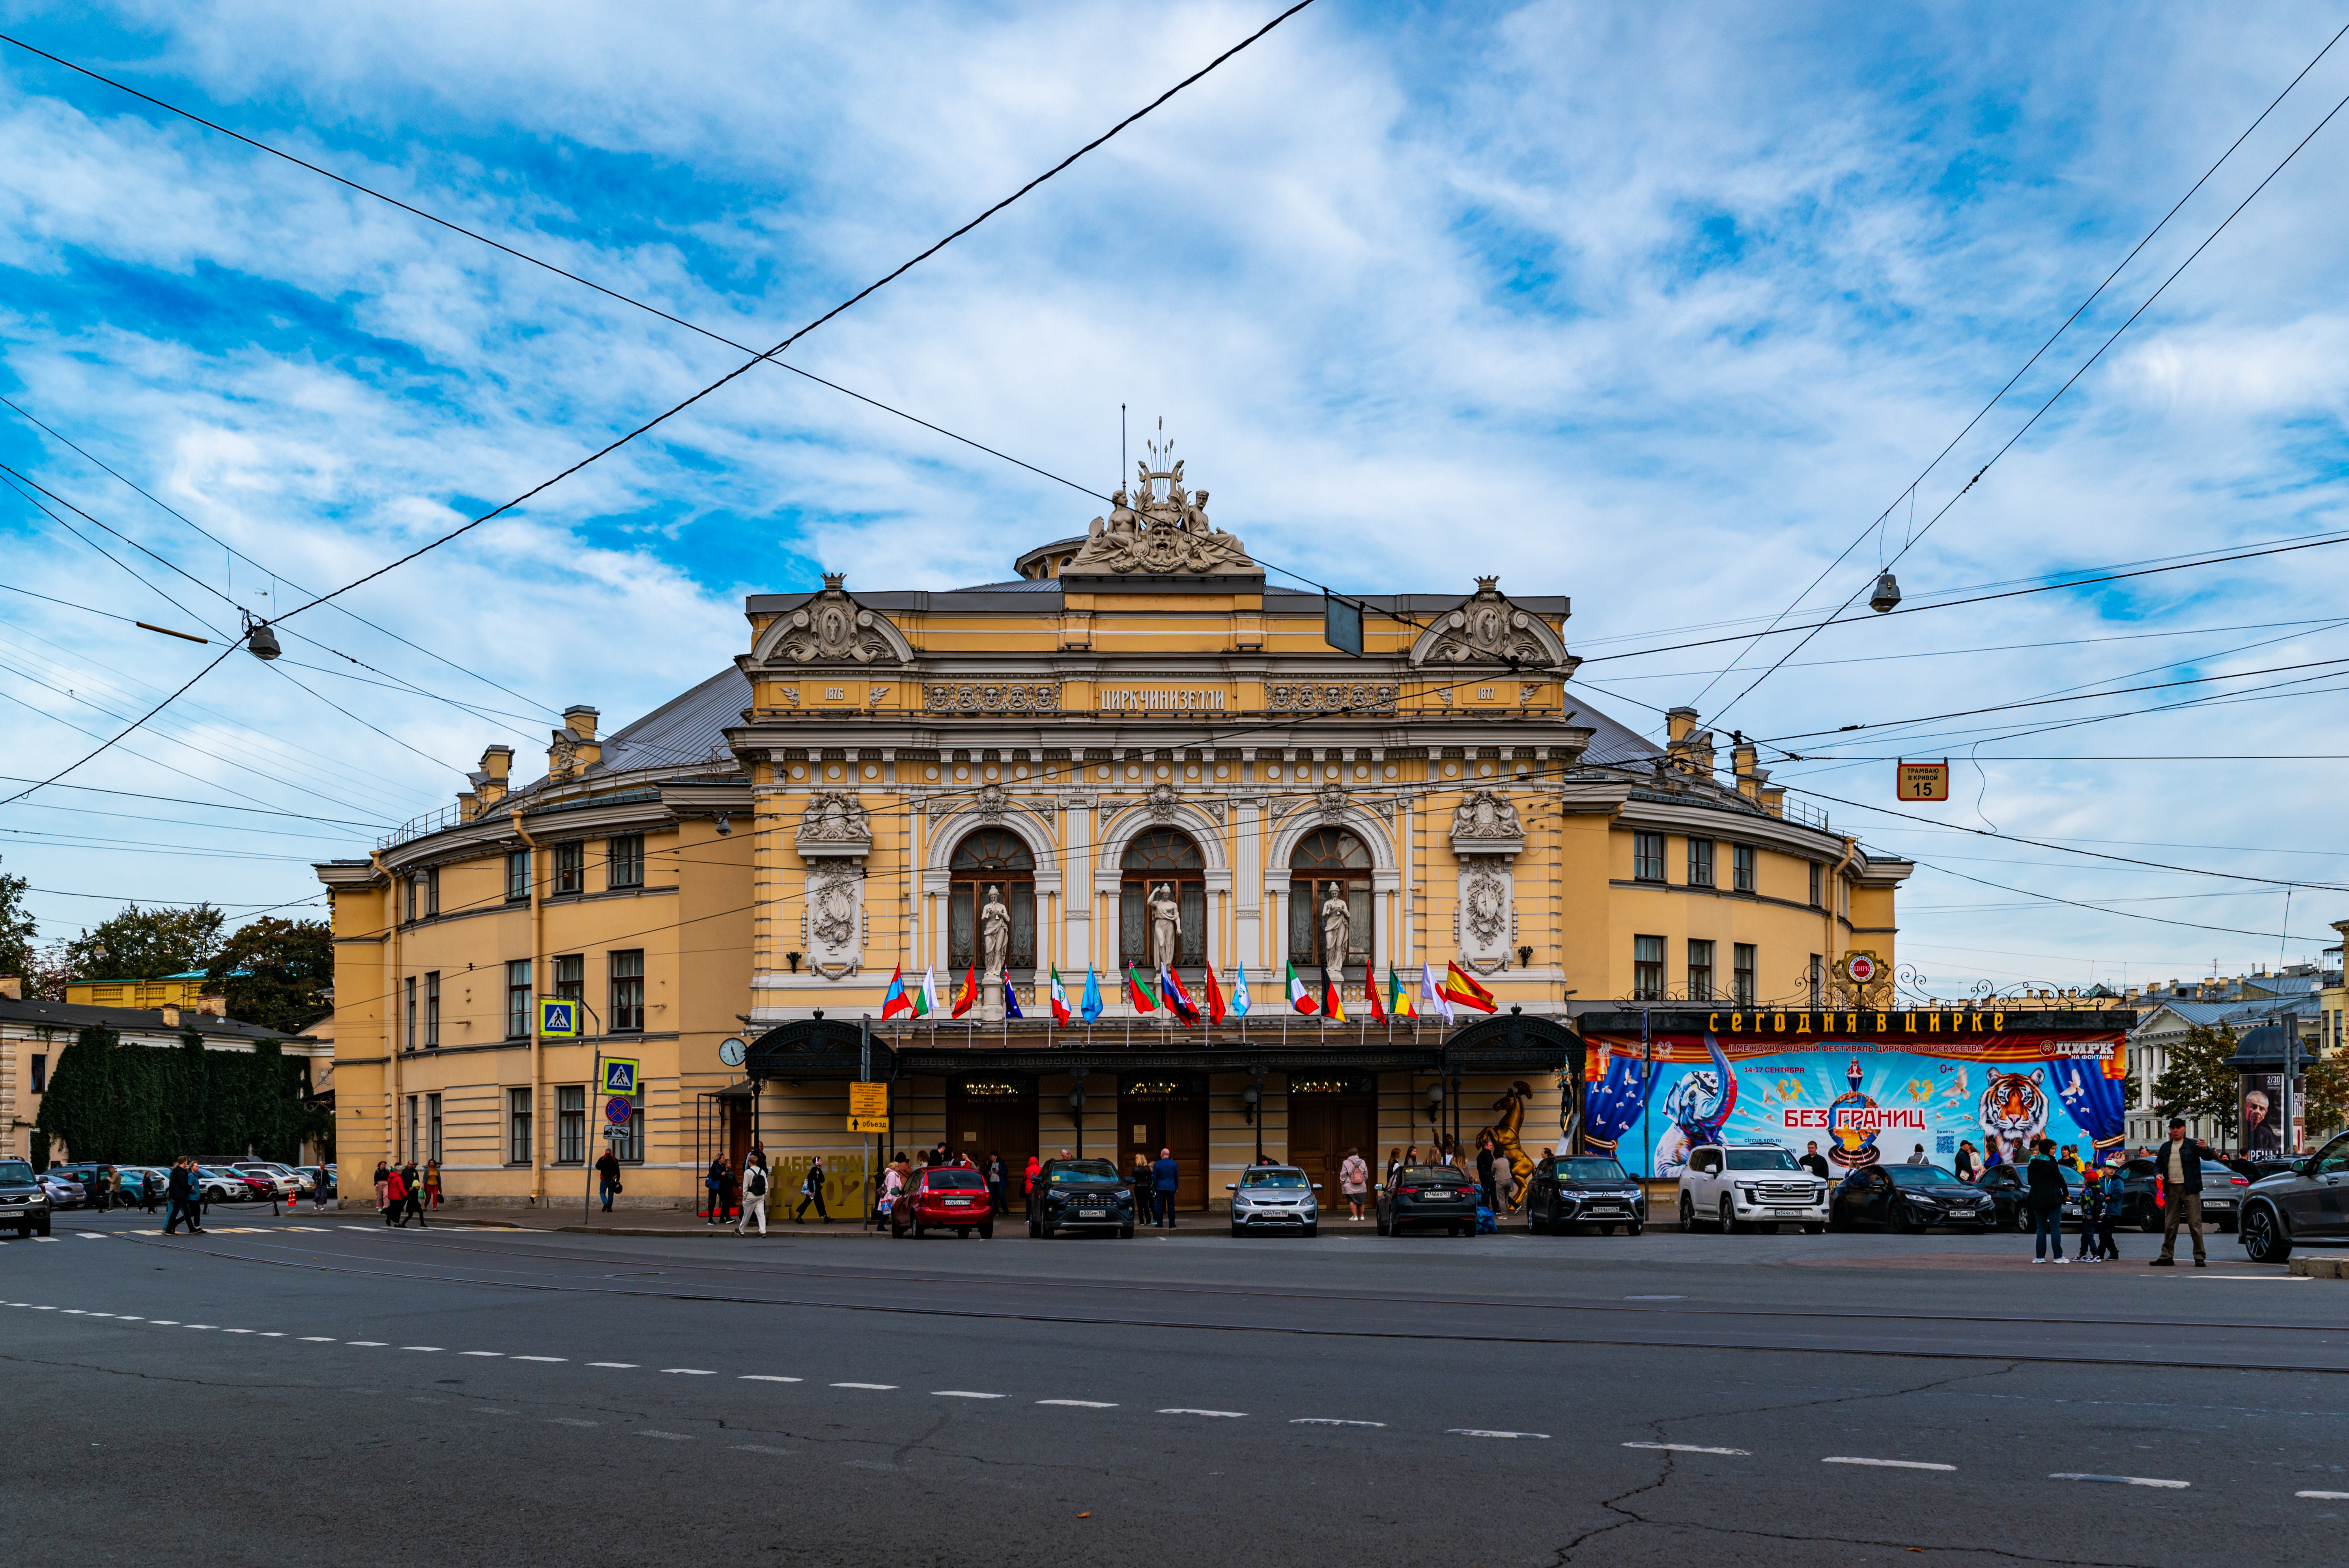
x=998 y=859
x=1325 y=855
x=1165 y=857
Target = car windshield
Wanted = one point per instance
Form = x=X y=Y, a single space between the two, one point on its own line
x=955 y=1182
x=1085 y=1172
x=1272 y=1178
x=1923 y=1176
x=1762 y=1159
x=14 y=1170
x=1587 y=1171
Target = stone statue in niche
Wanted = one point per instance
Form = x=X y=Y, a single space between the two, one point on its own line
x=995 y=935
x=1165 y=926
x=1337 y=928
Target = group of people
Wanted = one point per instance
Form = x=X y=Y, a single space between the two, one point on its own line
x=739 y=1195
x=402 y=1192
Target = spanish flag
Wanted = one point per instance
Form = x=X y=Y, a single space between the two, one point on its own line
x=1333 y=1006
x=1461 y=988
x=966 y=998
x=1399 y=997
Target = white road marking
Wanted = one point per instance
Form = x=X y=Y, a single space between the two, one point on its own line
x=74 y=1312
x=316 y=1339
x=44 y=1238
x=99 y=1315
x=126 y=1317
x=421 y=1347
x=960 y=1394
x=2252 y=1276
x=769 y=1378
x=758 y=1449
x=1331 y=1421
x=522 y=1357
x=621 y=1365
x=691 y=1371
x=1888 y=1464
x=877 y=1387
x=273 y=1334
x=236 y=1331
x=1476 y=1432
x=569 y=1421
x=157 y=1321
x=480 y=1353
x=89 y=1236
x=44 y=1309
x=370 y=1344
x=673 y=1436
x=1179 y=1410
x=1079 y=1404
x=217 y=1326
x=356 y=1227
x=2332 y=1496
x=1686 y=1448
x=2118 y=1480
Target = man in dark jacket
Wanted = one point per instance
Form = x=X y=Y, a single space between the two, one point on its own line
x=1815 y=1162
x=1166 y=1177
x=2179 y=1165
x=181 y=1191
x=2045 y=1195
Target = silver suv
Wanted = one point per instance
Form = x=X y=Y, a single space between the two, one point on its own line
x=1275 y=1198
x=2308 y=1202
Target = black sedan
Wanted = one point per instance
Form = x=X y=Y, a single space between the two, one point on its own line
x=1080 y=1195
x=1429 y=1195
x=2010 y=1193
x=1584 y=1189
x=1910 y=1198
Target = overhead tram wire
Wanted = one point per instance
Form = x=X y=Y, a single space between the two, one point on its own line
x=1909 y=492
x=2086 y=365
x=2099 y=908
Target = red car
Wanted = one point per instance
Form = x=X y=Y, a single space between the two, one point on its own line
x=943 y=1197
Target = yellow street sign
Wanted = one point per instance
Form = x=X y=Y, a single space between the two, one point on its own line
x=558 y=1020
x=1922 y=781
x=619 y=1075
x=868 y=1100
x=869 y=1125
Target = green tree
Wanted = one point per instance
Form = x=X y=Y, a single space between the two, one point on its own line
x=140 y=944
x=2326 y=1106
x=140 y=1106
x=2199 y=1082
x=17 y=929
x=276 y=973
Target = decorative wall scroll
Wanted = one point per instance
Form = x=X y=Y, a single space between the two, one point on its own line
x=836 y=912
x=1487 y=912
x=1349 y=697
x=989 y=697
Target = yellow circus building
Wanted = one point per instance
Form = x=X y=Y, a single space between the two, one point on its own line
x=1133 y=752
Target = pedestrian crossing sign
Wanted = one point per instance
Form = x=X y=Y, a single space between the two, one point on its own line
x=619 y=1075
x=558 y=1019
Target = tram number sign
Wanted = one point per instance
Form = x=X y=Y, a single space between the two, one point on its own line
x=1922 y=781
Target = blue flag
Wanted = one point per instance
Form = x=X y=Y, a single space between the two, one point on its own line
x=1092 y=1002
x=1010 y=998
x=1239 y=991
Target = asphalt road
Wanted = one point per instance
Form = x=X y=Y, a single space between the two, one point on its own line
x=317 y=1388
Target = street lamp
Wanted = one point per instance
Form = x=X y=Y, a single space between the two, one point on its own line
x=1887 y=594
x=1434 y=1101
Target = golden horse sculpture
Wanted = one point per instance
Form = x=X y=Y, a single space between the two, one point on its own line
x=1512 y=1107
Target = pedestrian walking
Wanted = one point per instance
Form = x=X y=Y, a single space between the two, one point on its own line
x=2046 y=1194
x=608 y=1178
x=1485 y=1174
x=893 y=1182
x=395 y=1197
x=413 y=1185
x=1354 y=1180
x=2112 y=1186
x=995 y=1181
x=383 y=1190
x=812 y=1191
x=432 y=1184
x=2181 y=1164
x=1965 y=1163
x=754 y=1196
x=714 y=1183
x=2092 y=1214
x=147 y=1191
x=1166 y=1177
x=175 y=1197
x=318 y=1185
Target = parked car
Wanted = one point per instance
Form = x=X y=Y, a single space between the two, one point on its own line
x=2010 y=1194
x=943 y=1197
x=1741 y=1186
x=1275 y=1198
x=1584 y=1189
x=24 y=1201
x=1429 y=1195
x=138 y=1181
x=1909 y=1198
x=63 y=1193
x=84 y=1174
x=277 y=1175
x=2142 y=1194
x=1079 y=1194
x=223 y=1184
x=2310 y=1200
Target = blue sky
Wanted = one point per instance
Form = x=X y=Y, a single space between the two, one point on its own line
x=1658 y=308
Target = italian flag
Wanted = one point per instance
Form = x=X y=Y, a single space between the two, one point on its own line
x=926 y=1000
x=967 y=997
x=895 y=1001
x=1139 y=991
x=1059 y=1000
x=1298 y=997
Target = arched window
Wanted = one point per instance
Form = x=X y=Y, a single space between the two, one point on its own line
x=990 y=857
x=1326 y=855
x=1163 y=857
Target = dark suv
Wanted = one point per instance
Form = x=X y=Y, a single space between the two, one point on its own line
x=23 y=1202
x=2309 y=1204
x=1077 y=1195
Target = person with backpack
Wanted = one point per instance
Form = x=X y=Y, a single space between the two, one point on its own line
x=812 y=1191
x=754 y=1194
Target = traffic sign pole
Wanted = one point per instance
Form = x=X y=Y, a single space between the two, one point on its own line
x=587 y=1199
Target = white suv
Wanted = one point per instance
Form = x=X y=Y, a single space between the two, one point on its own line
x=1739 y=1186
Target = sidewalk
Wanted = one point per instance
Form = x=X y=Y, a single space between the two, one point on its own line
x=674 y=1222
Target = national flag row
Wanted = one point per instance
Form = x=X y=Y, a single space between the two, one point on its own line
x=1150 y=992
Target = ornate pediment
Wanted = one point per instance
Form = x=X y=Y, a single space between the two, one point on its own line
x=1160 y=529
x=1489 y=629
x=832 y=628
x=1485 y=823
x=834 y=828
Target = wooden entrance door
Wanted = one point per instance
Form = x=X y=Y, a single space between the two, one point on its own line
x=994 y=1116
x=1323 y=1125
x=1148 y=1123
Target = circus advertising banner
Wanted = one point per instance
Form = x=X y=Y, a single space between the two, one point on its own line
x=1864 y=1099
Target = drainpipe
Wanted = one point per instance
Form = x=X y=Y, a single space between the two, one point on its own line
x=1834 y=896
x=537 y=931
x=390 y=1002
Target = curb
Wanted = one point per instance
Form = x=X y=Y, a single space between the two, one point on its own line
x=2317 y=1267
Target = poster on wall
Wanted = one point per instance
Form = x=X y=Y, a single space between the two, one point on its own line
x=1861 y=1102
x=2262 y=1111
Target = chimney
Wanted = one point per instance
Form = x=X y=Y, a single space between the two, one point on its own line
x=1700 y=753
x=1678 y=723
x=1773 y=801
x=12 y=986
x=1742 y=756
x=170 y=1015
x=573 y=748
x=211 y=1006
x=495 y=777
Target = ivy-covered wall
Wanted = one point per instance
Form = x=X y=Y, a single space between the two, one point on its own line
x=134 y=1104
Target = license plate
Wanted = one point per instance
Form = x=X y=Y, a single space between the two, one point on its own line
x=957 y=1202
x=1092 y=1213
x=1786 y=1212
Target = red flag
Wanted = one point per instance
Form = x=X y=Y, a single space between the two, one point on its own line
x=1215 y=996
x=1371 y=992
x=968 y=996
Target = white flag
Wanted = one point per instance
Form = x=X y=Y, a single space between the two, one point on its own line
x=1428 y=991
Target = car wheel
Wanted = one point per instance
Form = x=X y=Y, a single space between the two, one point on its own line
x=42 y=1229
x=2148 y=1219
x=1312 y=1230
x=1383 y=1228
x=2264 y=1238
x=1239 y=1230
x=2023 y=1221
x=1606 y=1230
x=987 y=1231
x=962 y=1232
x=1633 y=1228
x=1902 y=1221
x=920 y=1229
x=1728 y=1220
x=1688 y=1213
x=1125 y=1232
x=1814 y=1229
x=1043 y=1232
x=1536 y=1222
